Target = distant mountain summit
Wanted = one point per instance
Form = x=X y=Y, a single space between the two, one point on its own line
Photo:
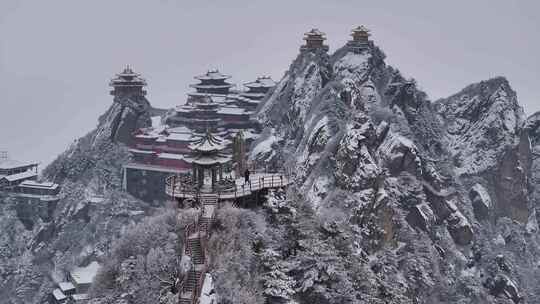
x=92 y=210
x=447 y=179
x=396 y=198
x=106 y=144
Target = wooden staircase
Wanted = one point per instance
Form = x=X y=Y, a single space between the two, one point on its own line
x=196 y=235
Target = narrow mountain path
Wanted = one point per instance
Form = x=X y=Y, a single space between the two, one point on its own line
x=195 y=246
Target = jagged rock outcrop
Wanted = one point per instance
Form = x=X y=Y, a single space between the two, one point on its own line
x=480 y=123
x=379 y=156
x=127 y=113
x=39 y=244
x=481 y=201
x=483 y=132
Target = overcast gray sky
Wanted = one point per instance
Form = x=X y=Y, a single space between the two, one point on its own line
x=57 y=56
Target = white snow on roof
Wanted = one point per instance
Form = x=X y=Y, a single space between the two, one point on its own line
x=265 y=82
x=66 y=286
x=58 y=295
x=315 y=32
x=171 y=156
x=141 y=151
x=361 y=28
x=22 y=175
x=80 y=296
x=154 y=168
x=197 y=94
x=85 y=275
x=209 y=160
x=231 y=111
x=207 y=147
x=210 y=86
x=180 y=129
x=179 y=137
x=12 y=164
x=35 y=184
x=254 y=95
x=213 y=75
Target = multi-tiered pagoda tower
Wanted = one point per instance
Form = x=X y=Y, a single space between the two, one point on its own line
x=213 y=82
x=314 y=41
x=256 y=90
x=360 y=41
x=128 y=84
x=198 y=115
x=208 y=155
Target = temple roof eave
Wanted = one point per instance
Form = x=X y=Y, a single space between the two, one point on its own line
x=211 y=86
x=208 y=161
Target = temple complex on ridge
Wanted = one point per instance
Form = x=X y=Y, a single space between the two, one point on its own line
x=160 y=151
x=216 y=105
x=314 y=41
x=13 y=172
x=21 y=179
x=360 y=39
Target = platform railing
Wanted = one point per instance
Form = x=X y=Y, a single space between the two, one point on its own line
x=178 y=189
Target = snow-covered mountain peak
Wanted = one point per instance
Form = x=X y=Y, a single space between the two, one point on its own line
x=480 y=122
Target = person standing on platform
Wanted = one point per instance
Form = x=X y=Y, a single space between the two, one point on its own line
x=246 y=177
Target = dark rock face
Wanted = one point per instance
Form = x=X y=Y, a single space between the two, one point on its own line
x=127 y=114
x=421 y=216
x=31 y=210
x=291 y=100
x=481 y=201
x=148 y=186
x=511 y=181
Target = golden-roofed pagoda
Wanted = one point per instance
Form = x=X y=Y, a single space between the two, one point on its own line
x=314 y=41
x=128 y=83
x=360 y=41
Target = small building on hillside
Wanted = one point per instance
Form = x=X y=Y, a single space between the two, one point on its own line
x=314 y=41
x=67 y=288
x=13 y=172
x=360 y=41
x=41 y=190
x=59 y=297
x=77 y=288
x=82 y=277
x=42 y=196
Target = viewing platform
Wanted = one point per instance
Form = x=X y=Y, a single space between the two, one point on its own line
x=181 y=187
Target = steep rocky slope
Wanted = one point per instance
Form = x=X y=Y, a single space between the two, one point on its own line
x=39 y=243
x=434 y=200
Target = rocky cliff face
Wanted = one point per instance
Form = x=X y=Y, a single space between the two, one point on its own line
x=440 y=196
x=39 y=244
